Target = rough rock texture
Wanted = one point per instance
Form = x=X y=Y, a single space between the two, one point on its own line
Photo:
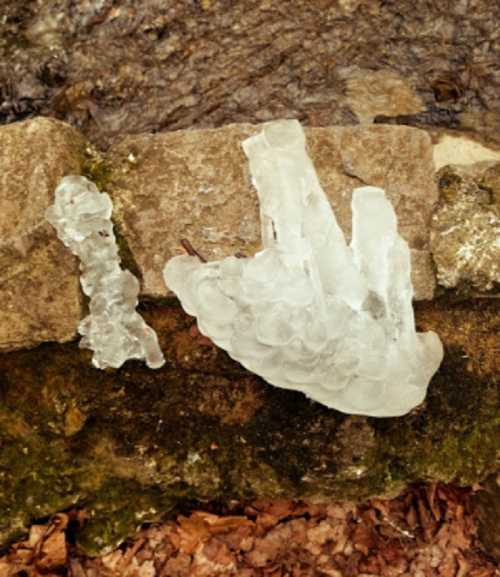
x=126 y=66
x=154 y=178
x=130 y=444
x=39 y=289
x=462 y=150
x=465 y=230
x=382 y=92
x=195 y=185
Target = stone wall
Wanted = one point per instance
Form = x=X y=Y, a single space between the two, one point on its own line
x=132 y=443
x=195 y=185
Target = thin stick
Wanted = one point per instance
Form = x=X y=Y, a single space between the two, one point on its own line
x=188 y=247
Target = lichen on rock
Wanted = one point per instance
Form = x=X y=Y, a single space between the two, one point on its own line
x=465 y=229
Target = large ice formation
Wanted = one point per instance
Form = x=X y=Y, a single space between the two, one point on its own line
x=113 y=329
x=309 y=312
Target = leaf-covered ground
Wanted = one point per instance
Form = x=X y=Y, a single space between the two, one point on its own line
x=430 y=531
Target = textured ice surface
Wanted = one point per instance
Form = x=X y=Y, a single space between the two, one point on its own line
x=309 y=312
x=113 y=329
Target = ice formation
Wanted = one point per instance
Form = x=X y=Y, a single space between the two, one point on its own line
x=309 y=312
x=113 y=329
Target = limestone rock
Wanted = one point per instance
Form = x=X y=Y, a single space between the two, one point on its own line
x=185 y=184
x=466 y=227
x=39 y=288
x=195 y=185
x=461 y=150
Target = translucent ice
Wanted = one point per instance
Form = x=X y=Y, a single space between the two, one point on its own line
x=309 y=312
x=113 y=329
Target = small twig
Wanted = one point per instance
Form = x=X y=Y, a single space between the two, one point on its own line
x=131 y=552
x=188 y=247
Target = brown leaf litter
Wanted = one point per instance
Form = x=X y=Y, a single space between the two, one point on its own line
x=430 y=531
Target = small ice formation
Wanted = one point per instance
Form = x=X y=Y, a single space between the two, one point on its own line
x=309 y=312
x=114 y=330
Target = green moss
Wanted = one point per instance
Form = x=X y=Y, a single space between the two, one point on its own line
x=452 y=438
x=96 y=169
x=120 y=509
x=36 y=480
x=126 y=256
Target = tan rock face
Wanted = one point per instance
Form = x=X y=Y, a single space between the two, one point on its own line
x=185 y=184
x=196 y=185
x=462 y=150
x=39 y=286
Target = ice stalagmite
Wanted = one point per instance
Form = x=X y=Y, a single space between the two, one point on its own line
x=309 y=312
x=113 y=329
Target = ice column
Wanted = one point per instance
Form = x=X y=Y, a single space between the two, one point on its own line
x=113 y=329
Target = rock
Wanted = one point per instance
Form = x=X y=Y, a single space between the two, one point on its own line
x=130 y=444
x=195 y=185
x=39 y=287
x=371 y=93
x=461 y=150
x=184 y=184
x=466 y=227
x=210 y=63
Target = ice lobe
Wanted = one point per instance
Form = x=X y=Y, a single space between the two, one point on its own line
x=309 y=312
x=115 y=332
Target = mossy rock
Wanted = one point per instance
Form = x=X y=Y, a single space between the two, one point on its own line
x=131 y=444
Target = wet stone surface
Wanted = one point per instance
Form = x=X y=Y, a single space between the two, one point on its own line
x=113 y=68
